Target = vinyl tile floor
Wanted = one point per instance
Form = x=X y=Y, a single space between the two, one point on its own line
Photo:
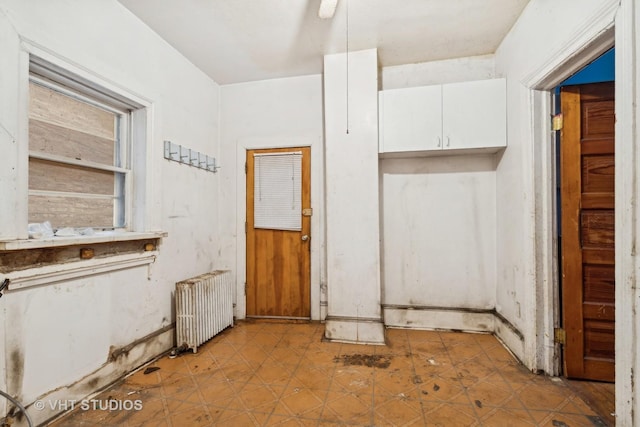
x=283 y=374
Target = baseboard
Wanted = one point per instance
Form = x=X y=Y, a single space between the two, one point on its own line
x=355 y=330
x=510 y=336
x=439 y=318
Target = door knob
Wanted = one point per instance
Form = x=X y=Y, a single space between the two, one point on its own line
x=305 y=238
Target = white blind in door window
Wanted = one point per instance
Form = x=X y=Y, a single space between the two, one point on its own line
x=277 y=191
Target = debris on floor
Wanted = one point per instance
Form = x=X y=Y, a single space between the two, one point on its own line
x=151 y=369
x=369 y=360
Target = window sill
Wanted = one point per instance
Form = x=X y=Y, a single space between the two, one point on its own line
x=101 y=237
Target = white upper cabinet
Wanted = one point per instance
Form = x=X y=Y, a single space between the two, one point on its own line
x=474 y=114
x=468 y=117
x=411 y=119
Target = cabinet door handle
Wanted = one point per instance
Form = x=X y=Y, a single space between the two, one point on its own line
x=448 y=141
x=439 y=141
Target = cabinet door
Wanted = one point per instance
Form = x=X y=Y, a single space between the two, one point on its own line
x=474 y=114
x=410 y=119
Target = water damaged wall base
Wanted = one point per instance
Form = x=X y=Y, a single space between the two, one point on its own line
x=118 y=363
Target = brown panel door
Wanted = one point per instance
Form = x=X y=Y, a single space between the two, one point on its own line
x=587 y=204
x=278 y=260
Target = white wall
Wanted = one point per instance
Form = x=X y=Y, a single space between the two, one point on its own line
x=68 y=327
x=56 y=334
x=438 y=72
x=263 y=114
x=545 y=32
x=439 y=227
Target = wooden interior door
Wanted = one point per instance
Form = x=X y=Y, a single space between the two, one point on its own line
x=278 y=260
x=587 y=204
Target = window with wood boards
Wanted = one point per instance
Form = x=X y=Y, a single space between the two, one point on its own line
x=78 y=158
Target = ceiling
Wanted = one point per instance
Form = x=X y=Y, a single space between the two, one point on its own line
x=245 y=40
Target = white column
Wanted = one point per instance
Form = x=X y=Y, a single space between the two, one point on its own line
x=352 y=197
x=627 y=219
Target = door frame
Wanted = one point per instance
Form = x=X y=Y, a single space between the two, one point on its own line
x=318 y=291
x=587 y=45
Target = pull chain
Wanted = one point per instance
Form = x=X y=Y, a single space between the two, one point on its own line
x=347 y=60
